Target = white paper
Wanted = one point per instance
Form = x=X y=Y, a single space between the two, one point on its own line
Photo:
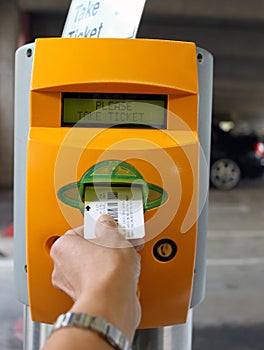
x=122 y=203
x=103 y=18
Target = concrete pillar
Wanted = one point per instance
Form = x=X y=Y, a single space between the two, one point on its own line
x=8 y=44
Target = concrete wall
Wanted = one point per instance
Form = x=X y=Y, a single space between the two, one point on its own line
x=8 y=42
x=238 y=51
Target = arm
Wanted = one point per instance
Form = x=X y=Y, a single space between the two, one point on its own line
x=101 y=276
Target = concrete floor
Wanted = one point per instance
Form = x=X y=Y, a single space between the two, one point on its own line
x=232 y=314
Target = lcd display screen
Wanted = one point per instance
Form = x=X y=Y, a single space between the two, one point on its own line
x=114 y=110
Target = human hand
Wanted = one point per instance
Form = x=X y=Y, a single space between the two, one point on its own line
x=101 y=275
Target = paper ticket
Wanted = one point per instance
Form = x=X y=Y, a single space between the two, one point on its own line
x=124 y=204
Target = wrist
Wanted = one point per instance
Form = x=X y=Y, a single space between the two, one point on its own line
x=111 y=309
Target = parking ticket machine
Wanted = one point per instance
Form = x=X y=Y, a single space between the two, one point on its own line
x=125 y=114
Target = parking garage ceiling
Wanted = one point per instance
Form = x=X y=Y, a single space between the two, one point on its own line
x=214 y=9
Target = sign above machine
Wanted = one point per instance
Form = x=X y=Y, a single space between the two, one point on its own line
x=103 y=19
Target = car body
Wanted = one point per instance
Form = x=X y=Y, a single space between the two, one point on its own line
x=234 y=157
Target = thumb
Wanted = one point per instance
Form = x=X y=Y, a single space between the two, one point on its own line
x=107 y=233
x=105 y=226
x=107 y=220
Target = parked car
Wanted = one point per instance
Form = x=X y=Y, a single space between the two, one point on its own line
x=234 y=157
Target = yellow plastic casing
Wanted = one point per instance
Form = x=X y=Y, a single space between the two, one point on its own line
x=167 y=158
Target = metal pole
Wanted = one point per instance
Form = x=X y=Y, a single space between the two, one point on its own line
x=45 y=330
x=35 y=334
x=177 y=337
x=31 y=332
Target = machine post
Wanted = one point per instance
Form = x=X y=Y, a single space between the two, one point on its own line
x=177 y=337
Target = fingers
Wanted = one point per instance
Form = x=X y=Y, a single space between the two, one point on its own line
x=138 y=243
x=107 y=234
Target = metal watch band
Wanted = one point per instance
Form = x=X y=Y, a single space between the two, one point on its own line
x=94 y=323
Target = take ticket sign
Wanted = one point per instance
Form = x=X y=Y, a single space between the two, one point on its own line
x=103 y=18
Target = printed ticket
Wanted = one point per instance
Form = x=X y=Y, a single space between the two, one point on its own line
x=124 y=204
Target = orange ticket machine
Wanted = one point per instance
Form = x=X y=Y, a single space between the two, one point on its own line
x=124 y=112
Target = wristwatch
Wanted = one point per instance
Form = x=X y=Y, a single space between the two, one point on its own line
x=104 y=329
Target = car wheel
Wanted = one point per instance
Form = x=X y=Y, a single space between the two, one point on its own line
x=225 y=174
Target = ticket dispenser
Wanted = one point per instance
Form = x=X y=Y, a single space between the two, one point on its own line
x=122 y=112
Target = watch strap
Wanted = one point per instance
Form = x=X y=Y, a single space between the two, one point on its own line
x=104 y=329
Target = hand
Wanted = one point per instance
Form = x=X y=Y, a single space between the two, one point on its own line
x=100 y=275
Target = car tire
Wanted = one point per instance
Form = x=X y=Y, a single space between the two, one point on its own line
x=225 y=174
